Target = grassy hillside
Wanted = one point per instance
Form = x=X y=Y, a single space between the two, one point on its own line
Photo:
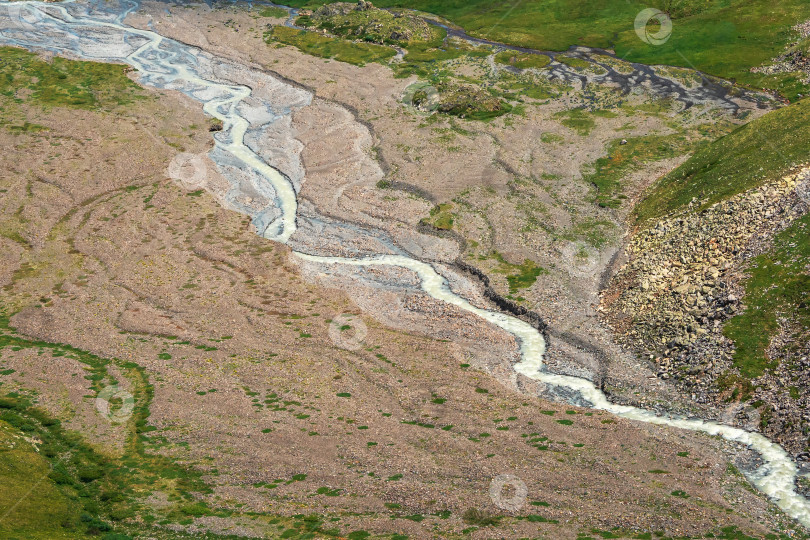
x=67 y=83
x=747 y=157
x=722 y=37
x=358 y=54
x=778 y=287
x=770 y=332
x=46 y=512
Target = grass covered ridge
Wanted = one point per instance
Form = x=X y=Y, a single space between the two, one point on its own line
x=24 y=470
x=622 y=159
x=778 y=286
x=748 y=157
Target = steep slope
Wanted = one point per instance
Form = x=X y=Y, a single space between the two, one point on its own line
x=749 y=157
x=716 y=290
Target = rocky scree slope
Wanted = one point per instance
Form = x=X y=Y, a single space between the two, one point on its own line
x=685 y=280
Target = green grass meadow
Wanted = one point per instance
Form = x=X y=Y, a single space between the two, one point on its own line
x=720 y=37
x=316 y=44
x=67 y=83
x=746 y=158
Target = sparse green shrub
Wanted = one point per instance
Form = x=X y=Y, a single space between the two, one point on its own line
x=480 y=518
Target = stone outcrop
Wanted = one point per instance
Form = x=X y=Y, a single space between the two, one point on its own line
x=670 y=303
x=795 y=58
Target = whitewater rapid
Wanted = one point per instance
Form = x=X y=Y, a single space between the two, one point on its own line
x=96 y=31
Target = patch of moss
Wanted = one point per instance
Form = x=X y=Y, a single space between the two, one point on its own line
x=339 y=49
x=625 y=156
x=595 y=232
x=441 y=217
x=522 y=60
x=577 y=119
x=273 y=12
x=480 y=518
x=521 y=276
x=578 y=64
x=65 y=83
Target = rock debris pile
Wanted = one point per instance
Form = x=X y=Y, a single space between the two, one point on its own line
x=683 y=282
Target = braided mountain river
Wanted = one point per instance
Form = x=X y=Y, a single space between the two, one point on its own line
x=96 y=31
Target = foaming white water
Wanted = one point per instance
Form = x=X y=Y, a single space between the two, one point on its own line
x=164 y=63
x=775 y=477
x=435 y=285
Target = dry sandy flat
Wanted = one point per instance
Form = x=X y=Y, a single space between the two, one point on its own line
x=137 y=265
x=240 y=341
